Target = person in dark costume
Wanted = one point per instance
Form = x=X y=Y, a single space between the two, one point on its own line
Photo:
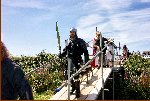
x=97 y=45
x=75 y=49
x=14 y=84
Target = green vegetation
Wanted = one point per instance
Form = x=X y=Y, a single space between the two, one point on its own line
x=137 y=79
x=44 y=95
x=47 y=77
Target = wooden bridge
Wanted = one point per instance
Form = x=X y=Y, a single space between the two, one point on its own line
x=89 y=89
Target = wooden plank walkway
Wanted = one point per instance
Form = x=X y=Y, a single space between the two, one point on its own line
x=89 y=91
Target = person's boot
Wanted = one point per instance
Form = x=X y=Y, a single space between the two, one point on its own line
x=77 y=89
x=73 y=86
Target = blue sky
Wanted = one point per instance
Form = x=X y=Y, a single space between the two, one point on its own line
x=28 y=26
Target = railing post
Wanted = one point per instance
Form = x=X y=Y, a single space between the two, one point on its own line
x=119 y=55
x=102 y=62
x=100 y=48
x=102 y=76
x=69 y=66
x=113 y=67
x=87 y=72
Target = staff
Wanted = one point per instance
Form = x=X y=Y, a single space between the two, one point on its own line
x=58 y=37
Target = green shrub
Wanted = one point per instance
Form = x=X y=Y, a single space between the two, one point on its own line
x=137 y=83
x=48 y=77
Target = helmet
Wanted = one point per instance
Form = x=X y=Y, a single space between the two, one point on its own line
x=72 y=29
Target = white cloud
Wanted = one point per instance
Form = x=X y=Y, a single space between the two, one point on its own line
x=23 y=4
x=112 y=17
x=35 y=4
x=86 y=33
x=106 y=6
x=128 y=27
x=145 y=1
x=135 y=24
x=86 y=25
x=113 y=4
x=89 y=20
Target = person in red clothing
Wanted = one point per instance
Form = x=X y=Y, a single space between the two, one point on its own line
x=95 y=62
